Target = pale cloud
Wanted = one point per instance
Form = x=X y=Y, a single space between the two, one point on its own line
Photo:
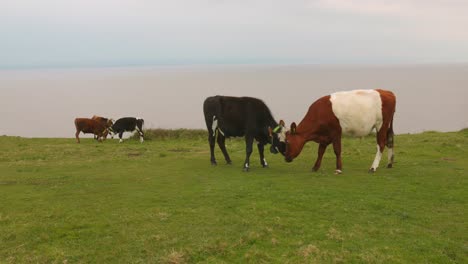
x=434 y=20
x=198 y=31
x=409 y=8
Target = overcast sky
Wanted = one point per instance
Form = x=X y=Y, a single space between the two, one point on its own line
x=82 y=33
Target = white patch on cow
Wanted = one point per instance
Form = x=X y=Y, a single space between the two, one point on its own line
x=358 y=111
x=378 y=156
x=264 y=161
x=214 y=126
x=338 y=172
x=282 y=134
x=120 y=140
x=141 y=139
x=246 y=165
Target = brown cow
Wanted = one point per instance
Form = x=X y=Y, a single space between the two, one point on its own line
x=107 y=122
x=355 y=113
x=89 y=126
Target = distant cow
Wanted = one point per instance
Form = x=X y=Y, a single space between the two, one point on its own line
x=128 y=124
x=89 y=126
x=355 y=113
x=241 y=116
x=107 y=122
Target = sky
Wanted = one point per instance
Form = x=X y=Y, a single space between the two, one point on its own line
x=102 y=33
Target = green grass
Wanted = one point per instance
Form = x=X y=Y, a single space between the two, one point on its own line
x=162 y=202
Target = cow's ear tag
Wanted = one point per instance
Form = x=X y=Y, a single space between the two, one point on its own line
x=293 y=128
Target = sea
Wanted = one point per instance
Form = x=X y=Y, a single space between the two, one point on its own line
x=44 y=102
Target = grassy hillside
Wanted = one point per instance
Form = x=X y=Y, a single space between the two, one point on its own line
x=162 y=202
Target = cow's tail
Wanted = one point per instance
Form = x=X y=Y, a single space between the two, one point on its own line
x=390 y=134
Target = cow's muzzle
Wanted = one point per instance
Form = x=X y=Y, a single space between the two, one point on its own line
x=273 y=150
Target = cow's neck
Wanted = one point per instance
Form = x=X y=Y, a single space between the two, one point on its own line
x=307 y=131
x=272 y=123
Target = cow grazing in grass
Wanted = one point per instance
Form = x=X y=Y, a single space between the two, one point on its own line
x=107 y=122
x=128 y=124
x=354 y=113
x=90 y=126
x=227 y=117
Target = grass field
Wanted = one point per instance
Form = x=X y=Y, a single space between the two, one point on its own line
x=162 y=202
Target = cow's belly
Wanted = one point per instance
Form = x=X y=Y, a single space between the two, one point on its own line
x=358 y=112
x=358 y=128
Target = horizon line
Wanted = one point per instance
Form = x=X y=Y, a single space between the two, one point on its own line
x=233 y=64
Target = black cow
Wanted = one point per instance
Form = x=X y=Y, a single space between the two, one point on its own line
x=128 y=124
x=227 y=117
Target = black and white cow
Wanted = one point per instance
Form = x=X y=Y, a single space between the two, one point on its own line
x=128 y=124
x=227 y=117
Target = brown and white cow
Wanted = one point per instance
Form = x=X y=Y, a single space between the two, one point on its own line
x=107 y=122
x=355 y=113
x=90 y=126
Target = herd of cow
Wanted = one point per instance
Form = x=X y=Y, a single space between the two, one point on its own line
x=356 y=113
x=101 y=127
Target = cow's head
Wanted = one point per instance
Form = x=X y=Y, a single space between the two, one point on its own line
x=278 y=138
x=110 y=122
x=294 y=144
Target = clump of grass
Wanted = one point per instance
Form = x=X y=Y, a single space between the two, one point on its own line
x=174 y=257
x=170 y=134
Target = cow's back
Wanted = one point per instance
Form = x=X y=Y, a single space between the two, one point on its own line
x=358 y=111
x=236 y=116
x=87 y=125
x=124 y=124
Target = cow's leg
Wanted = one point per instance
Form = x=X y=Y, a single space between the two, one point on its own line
x=381 y=138
x=261 y=149
x=337 y=150
x=77 y=135
x=222 y=145
x=248 y=151
x=139 y=129
x=120 y=136
x=104 y=136
x=321 y=150
x=99 y=138
x=211 y=141
x=391 y=154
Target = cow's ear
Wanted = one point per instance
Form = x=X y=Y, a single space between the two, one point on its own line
x=293 y=128
x=281 y=123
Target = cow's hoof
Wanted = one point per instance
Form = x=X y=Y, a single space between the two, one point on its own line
x=338 y=172
x=265 y=166
x=389 y=166
x=315 y=169
x=229 y=162
x=246 y=169
x=371 y=170
x=213 y=163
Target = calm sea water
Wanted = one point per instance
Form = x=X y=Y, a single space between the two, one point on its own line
x=44 y=103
